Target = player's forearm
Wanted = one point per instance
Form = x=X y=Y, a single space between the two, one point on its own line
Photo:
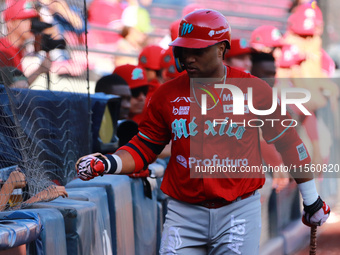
x=5 y=194
x=128 y=163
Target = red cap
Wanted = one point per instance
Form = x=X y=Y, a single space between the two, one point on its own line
x=150 y=57
x=290 y=57
x=266 y=36
x=19 y=9
x=239 y=47
x=168 y=63
x=135 y=76
x=327 y=64
x=306 y=20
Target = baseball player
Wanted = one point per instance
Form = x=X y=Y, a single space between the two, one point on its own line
x=239 y=55
x=206 y=214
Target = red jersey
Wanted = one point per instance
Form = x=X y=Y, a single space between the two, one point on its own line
x=174 y=113
x=9 y=54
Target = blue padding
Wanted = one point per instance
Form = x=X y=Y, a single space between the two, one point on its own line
x=56 y=124
x=17 y=228
x=80 y=218
x=98 y=196
x=53 y=232
x=118 y=189
x=145 y=218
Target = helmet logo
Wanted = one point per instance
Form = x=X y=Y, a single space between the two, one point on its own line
x=137 y=74
x=276 y=35
x=222 y=31
x=167 y=58
x=211 y=33
x=143 y=60
x=243 y=43
x=186 y=28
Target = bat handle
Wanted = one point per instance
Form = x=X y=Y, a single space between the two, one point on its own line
x=312 y=250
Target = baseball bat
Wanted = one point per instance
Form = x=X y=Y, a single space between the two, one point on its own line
x=312 y=249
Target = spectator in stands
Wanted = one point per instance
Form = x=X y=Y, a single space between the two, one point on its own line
x=116 y=85
x=17 y=180
x=135 y=76
x=105 y=12
x=62 y=16
x=136 y=25
x=239 y=55
x=12 y=47
x=13 y=78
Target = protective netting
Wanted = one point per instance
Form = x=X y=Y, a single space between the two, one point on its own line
x=44 y=128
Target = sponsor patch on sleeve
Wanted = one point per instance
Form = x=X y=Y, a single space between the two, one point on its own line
x=301 y=149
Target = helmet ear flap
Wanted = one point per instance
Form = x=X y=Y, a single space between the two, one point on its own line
x=179 y=65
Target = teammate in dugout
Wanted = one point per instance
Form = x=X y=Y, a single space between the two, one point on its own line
x=207 y=215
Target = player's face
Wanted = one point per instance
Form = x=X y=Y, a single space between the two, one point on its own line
x=203 y=63
x=265 y=70
x=125 y=94
x=138 y=100
x=242 y=61
x=22 y=28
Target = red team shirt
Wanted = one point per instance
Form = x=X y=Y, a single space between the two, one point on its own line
x=174 y=113
x=9 y=55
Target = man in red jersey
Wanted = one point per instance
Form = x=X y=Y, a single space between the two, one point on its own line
x=209 y=212
x=18 y=14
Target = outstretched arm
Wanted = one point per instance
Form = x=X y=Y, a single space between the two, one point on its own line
x=48 y=194
x=15 y=180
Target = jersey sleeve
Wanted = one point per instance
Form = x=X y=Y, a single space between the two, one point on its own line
x=279 y=128
x=154 y=128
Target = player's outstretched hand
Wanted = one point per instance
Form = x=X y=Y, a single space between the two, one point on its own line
x=316 y=214
x=90 y=166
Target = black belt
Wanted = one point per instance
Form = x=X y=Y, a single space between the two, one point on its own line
x=217 y=203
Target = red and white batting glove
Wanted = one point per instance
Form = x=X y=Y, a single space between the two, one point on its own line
x=315 y=214
x=96 y=164
x=91 y=166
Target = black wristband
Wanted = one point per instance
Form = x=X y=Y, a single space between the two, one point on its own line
x=113 y=164
x=313 y=208
x=106 y=165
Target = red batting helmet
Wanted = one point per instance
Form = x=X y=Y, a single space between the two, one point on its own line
x=150 y=57
x=201 y=29
x=307 y=20
x=290 y=57
x=266 y=36
x=240 y=47
x=168 y=63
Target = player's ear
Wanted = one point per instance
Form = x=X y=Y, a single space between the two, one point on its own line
x=222 y=46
